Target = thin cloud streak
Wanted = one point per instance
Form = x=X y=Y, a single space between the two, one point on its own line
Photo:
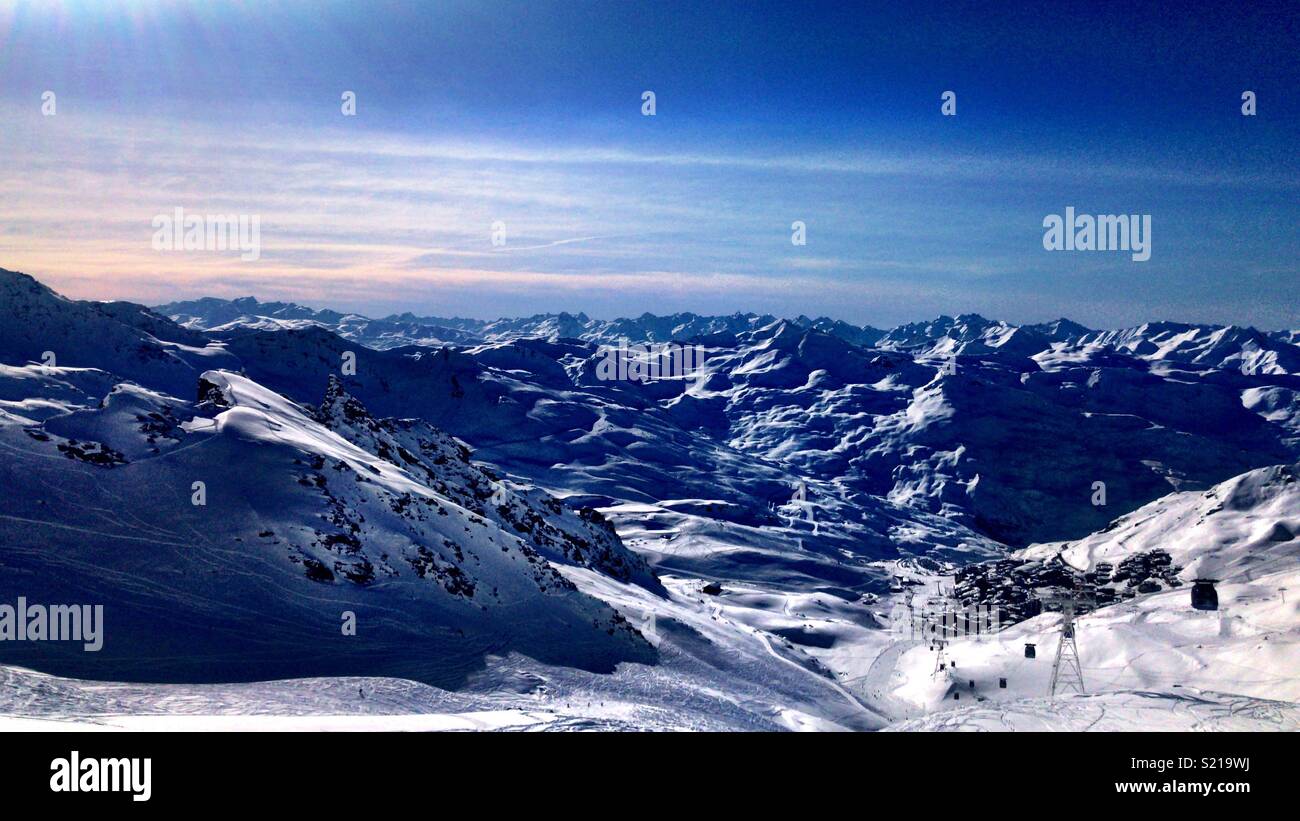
x=348 y=208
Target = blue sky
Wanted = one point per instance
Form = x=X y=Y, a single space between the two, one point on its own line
x=767 y=113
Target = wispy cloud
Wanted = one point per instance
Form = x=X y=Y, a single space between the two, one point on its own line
x=388 y=221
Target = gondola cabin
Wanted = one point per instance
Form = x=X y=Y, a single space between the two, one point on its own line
x=1204 y=596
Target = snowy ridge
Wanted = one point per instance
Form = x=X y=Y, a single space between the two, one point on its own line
x=1227 y=347
x=443 y=464
x=225 y=316
x=1244 y=527
x=948 y=418
x=1210 y=346
x=120 y=338
x=299 y=526
x=1150 y=654
x=562 y=551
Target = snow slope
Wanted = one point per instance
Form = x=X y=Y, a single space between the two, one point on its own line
x=116 y=337
x=299 y=527
x=1193 y=711
x=540 y=547
x=1151 y=653
x=955 y=417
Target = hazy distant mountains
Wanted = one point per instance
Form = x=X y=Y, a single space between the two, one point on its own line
x=1213 y=346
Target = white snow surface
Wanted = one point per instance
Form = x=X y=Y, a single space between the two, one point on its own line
x=529 y=547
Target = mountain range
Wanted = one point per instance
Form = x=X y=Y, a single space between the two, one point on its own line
x=1212 y=345
x=499 y=518
x=1144 y=410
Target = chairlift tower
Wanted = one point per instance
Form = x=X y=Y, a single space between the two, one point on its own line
x=911 y=614
x=940 y=658
x=1067 y=673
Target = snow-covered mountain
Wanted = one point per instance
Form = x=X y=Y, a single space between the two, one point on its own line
x=971 y=335
x=227 y=530
x=299 y=524
x=1208 y=346
x=222 y=317
x=1150 y=660
x=127 y=340
x=502 y=516
x=1221 y=347
x=954 y=417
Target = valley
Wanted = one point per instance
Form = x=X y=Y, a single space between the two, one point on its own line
x=525 y=543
